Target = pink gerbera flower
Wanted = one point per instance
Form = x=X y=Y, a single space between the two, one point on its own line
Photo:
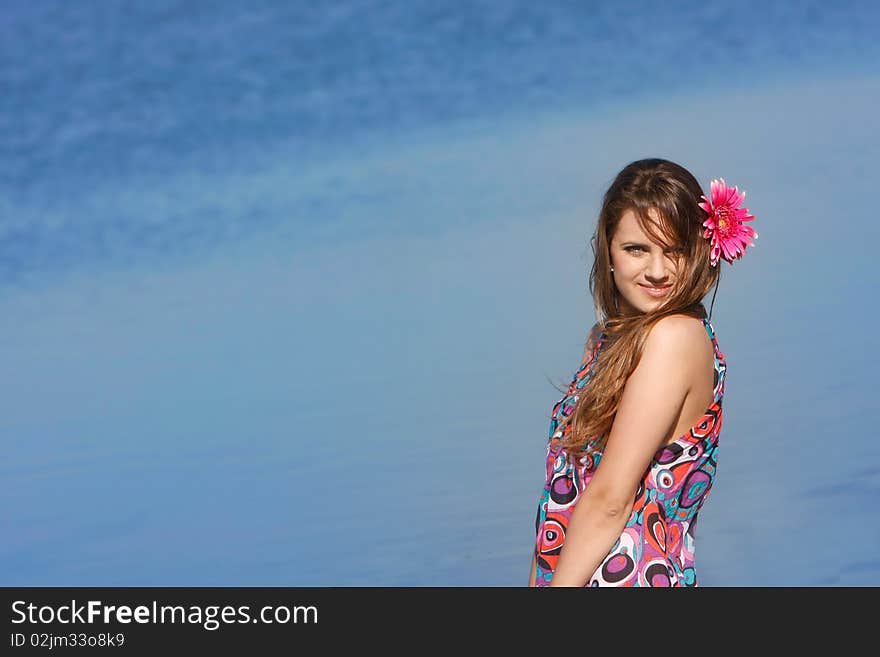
x=729 y=235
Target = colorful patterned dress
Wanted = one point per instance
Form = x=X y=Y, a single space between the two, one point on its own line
x=656 y=547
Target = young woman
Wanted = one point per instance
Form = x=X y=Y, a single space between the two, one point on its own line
x=632 y=449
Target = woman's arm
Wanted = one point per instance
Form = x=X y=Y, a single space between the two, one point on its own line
x=533 y=569
x=649 y=407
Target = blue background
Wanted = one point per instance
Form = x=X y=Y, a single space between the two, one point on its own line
x=282 y=284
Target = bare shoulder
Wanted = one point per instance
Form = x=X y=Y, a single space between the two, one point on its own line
x=678 y=327
x=680 y=335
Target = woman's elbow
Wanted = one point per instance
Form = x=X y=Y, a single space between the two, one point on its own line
x=613 y=505
x=615 y=511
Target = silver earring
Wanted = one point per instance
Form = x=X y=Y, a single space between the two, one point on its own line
x=612 y=269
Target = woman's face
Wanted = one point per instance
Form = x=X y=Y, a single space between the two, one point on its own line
x=644 y=271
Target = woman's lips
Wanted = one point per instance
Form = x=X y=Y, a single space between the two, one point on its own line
x=655 y=292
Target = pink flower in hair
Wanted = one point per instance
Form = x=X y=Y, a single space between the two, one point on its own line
x=725 y=225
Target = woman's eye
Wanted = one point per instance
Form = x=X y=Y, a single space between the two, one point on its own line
x=632 y=248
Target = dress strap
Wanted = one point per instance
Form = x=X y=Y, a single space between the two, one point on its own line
x=720 y=362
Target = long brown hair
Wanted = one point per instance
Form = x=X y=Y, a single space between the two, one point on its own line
x=674 y=193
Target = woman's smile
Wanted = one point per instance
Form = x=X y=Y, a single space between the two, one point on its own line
x=656 y=292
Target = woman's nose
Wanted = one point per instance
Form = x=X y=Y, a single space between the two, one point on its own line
x=657 y=268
